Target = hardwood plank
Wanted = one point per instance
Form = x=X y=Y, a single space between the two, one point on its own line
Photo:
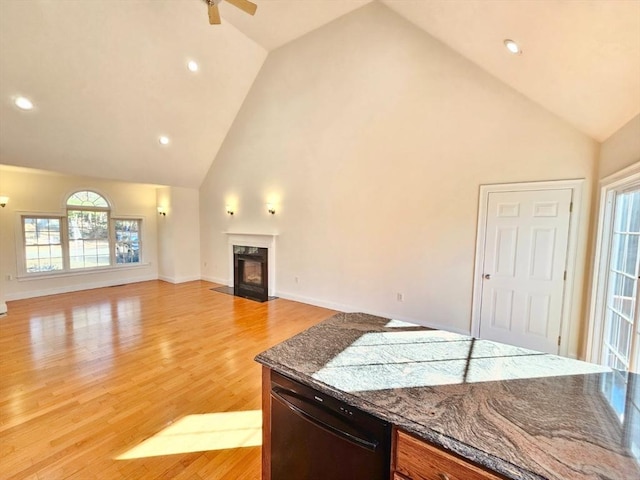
x=87 y=376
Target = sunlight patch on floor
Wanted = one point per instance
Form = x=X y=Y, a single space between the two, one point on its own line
x=202 y=432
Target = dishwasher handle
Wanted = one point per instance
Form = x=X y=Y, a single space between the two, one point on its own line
x=311 y=412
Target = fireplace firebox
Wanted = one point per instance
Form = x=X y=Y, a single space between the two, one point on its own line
x=250 y=279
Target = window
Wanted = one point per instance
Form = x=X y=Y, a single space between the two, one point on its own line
x=42 y=244
x=127 y=241
x=86 y=238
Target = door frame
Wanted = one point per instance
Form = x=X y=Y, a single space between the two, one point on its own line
x=575 y=185
x=601 y=257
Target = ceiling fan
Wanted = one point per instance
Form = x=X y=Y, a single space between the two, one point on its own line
x=214 y=14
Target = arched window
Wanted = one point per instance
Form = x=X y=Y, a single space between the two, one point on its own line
x=87 y=198
x=88 y=228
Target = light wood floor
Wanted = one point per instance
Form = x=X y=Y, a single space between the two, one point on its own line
x=87 y=376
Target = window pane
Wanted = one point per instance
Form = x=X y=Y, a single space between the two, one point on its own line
x=621 y=215
x=632 y=255
x=54 y=224
x=33 y=265
x=42 y=225
x=76 y=261
x=634 y=223
x=624 y=338
x=30 y=238
x=617 y=251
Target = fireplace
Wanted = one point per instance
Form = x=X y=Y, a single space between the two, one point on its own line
x=250 y=272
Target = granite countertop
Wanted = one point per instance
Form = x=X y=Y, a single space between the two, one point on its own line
x=524 y=414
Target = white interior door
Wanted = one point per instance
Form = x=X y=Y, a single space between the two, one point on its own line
x=525 y=250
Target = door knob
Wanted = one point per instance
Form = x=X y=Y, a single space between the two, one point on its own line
x=487 y=276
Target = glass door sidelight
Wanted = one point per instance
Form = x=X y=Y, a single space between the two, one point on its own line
x=620 y=347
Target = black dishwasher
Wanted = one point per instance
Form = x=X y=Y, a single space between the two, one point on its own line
x=317 y=437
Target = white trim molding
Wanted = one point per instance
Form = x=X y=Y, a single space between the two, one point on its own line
x=261 y=240
x=177 y=280
x=78 y=287
x=608 y=188
x=575 y=185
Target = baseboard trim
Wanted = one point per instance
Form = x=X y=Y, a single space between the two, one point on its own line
x=221 y=281
x=77 y=287
x=177 y=280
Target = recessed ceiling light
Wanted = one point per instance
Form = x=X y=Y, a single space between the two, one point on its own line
x=163 y=140
x=512 y=47
x=192 y=66
x=23 y=103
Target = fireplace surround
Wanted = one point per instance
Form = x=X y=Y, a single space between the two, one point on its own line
x=262 y=240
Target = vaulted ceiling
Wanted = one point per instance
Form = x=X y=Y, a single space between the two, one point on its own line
x=108 y=77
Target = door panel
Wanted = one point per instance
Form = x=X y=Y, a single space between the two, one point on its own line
x=505 y=252
x=501 y=309
x=542 y=250
x=538 y=309
x=525 y=256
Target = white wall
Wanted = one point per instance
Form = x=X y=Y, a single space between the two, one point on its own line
x=179 y=234
x=33 y=191
x=621 y=149
x=373 y=139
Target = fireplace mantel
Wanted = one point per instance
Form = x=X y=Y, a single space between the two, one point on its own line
x=252 y=234
x=263 y=240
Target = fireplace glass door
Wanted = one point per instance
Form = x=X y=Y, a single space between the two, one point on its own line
x=252 y=272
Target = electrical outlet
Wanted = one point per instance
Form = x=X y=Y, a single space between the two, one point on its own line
x=400 y=297
x=9 y=277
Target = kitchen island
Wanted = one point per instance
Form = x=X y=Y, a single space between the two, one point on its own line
x=514 y=412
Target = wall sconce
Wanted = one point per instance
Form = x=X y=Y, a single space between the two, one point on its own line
x=3 y=201
x=271 y=208
x=162 y=211
x=230 y=210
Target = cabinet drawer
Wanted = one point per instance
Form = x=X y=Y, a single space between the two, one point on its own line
x=421 y=461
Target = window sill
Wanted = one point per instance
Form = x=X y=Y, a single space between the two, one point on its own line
x=72 y=273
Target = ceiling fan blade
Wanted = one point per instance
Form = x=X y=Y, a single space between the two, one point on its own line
x=244 y=5
x=214 y=14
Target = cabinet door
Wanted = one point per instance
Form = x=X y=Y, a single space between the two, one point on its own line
x=418 y=460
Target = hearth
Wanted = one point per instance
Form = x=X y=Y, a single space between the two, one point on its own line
x=250 y=277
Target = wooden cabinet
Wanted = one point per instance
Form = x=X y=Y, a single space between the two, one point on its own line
x=415 y=459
